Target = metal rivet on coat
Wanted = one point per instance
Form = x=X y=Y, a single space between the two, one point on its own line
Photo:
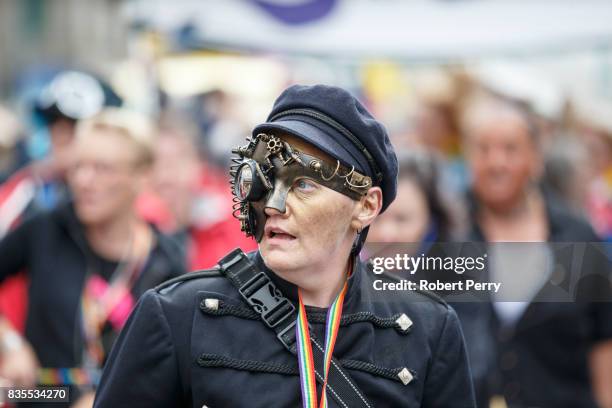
x=211 y=303
x=404 y=322
x=405 y=376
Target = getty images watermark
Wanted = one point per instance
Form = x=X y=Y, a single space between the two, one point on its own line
x=501 y=272
x=411 y=264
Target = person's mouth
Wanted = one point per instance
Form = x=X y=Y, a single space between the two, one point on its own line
x=278 y=233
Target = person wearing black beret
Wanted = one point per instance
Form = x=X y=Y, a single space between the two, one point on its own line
x=295 y=323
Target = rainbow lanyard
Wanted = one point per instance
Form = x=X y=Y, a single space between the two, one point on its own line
x=68 y=376
x=304 y=349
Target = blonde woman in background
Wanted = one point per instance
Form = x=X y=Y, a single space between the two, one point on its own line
x=88 y=261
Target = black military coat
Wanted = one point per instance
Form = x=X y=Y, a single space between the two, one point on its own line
x=194 y=342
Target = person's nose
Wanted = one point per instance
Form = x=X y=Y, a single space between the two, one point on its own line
x=498 y=157
x=276 y=202
x=270 y=211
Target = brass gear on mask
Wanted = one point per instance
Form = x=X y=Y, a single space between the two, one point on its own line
x=274 y=145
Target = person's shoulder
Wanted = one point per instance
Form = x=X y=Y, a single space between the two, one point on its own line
x=417 y=300
x=420 y=312
x=192 y=281
x=181 y=290
x=179 y=295
x=43 y=221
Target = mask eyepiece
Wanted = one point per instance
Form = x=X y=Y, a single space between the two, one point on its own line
x=248 y=183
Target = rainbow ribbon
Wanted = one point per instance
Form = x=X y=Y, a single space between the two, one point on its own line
x=305 y=360
x=304 y=349
x=68 y=376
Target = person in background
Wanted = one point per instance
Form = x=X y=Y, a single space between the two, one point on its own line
x=527 y=354
x=567 y=172
x=420 y=214
x=69 y=97
x=88 y=261
x=420 y=217
x=598 y=140
x=196 y=212
x=13 y=198
x=41 y=185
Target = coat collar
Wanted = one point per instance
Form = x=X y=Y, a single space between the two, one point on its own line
x=290 y=290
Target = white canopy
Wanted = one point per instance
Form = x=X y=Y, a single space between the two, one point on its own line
x=418 y=30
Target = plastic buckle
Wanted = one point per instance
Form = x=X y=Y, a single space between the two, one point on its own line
x=261 y=293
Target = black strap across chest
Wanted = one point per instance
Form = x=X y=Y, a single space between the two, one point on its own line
x=280 y=315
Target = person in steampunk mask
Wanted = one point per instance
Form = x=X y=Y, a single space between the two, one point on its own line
x=294 y=323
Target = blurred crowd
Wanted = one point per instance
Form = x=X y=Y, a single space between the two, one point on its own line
x=122 y=201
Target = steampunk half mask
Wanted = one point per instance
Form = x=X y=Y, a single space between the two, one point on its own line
x=265 y=170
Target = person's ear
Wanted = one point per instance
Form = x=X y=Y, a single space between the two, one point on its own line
x=367 y=208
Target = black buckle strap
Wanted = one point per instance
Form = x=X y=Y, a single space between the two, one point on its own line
x=279 y=314
x=266 y=299
x=256 y=288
